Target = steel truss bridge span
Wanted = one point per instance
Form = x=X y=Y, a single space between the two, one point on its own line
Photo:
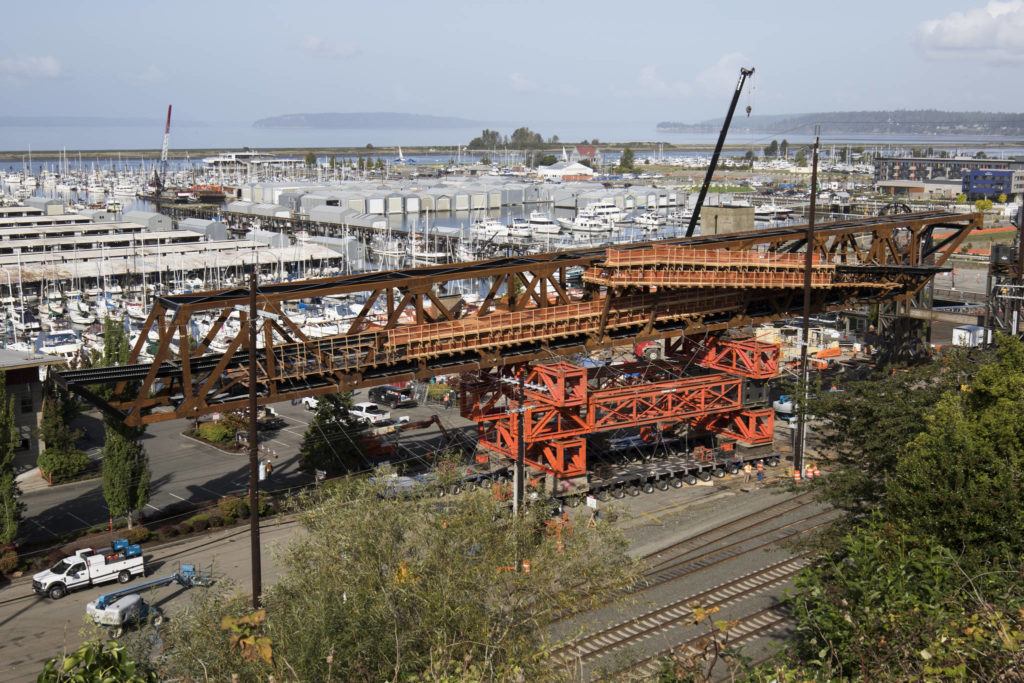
x=413 y=324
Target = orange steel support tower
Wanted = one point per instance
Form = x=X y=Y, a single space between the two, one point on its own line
x=560 y=407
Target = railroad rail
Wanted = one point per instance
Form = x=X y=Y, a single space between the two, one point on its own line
x=412 y=326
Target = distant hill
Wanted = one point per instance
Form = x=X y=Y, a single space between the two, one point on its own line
x=898 y=122
x=88 y=122
x=362 y=120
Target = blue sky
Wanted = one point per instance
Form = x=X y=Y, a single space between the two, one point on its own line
x=525 y=61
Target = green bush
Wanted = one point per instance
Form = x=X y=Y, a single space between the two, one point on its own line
x=216 y=521
x=216 y=432
x=184 y=528
x=8 y=562
x=167 y=532
x=200 y=522
x=233 y=506
x=62 y=465
x=229 y=520
x=138 y=534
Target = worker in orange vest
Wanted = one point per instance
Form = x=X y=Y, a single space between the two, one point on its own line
x=760 y=470
x=746 y=472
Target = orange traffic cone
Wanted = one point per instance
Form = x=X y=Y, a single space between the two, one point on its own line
x=526 y=566
x=809 y=472
x=817 y=472
x=560 y=547
x=796 y=476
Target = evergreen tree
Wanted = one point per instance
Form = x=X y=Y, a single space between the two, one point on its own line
x=125 y=471
x=10 y=507
x=61 y=459
x=626 y=161
x=334 y=440
x=125 y=463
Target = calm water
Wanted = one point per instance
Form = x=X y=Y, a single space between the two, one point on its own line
x=227 y=135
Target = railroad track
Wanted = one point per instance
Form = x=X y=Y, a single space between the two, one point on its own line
x=747 y=628
x=712 y=558
x=747 y=522
x=640 y=628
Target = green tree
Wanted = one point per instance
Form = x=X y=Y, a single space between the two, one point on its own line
x=333 y=442
x=310 y=158
x=784 y=147
x=589 y=163
x=801 y=158
x=524 y=138
x=333 y=162
x=486 y=161
x=960 y=479
x=1002 y=198
x=961 y=198
x=489 y=139
x=547 y=160
x=983 y=205
x=772 y=149
x=126 y=471
x=981 y=155
x=869 y=426
x=382 y=588
x=11 y=508
x=61 y=458
x=626 y=161
x=749 y=156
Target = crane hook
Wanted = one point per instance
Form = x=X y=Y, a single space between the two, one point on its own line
x=748 y=111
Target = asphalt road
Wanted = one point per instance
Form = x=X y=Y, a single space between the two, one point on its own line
x=187 y=473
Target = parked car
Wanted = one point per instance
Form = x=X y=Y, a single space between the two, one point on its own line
x=370 y=412
x=310 y=402
x=390 y=395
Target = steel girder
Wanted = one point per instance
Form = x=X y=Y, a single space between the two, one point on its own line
x=410 y=326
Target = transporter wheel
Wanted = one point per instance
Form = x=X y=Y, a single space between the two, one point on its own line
x=704 y=475
x=676 y=482
x=773 y=462
x=124 y=576
x=471 y=486
x=573 y=501
x=57 y=592
x=158 y=620
x=486 y=482
x=633 y=490
x=718 y=472
x=117 y=631
x=617 y=492
x=648 y=487
x=690 y=480
x=603 y=495
x=661 y=485
x=456 y=489
x=733 y=470
x=503 y=480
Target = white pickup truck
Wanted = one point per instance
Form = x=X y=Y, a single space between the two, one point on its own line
x=370 y=413
x=88 y=567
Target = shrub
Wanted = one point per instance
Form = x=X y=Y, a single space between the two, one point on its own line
x=200 y=522
x=216 y=432
x=234 y=506
x=167 y=532
x=216 y=521
x=62 y=465
x=8 y=562
x=229 y=520
x=184 y=528
x=138 y=534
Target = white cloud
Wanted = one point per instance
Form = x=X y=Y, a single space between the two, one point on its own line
x=521 y=83
x=151 y=75
x=30 y=67
x=993 y=33
x=651 y=83
x=318 y=47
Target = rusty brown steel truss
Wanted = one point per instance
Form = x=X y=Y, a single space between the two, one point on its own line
x=412 y=325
